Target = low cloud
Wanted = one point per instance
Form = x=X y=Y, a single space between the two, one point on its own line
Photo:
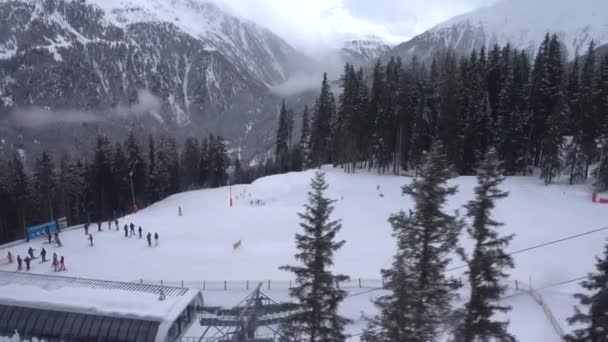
x=39 y=117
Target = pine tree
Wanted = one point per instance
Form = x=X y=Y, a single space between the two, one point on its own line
x=552 y=163
x=18 y=184
x=45 y=186
x=316 y=286
x=540 y=100
x=137 y=165
x=450 y=120
x=321 y=126
x=589 y=122
x=575 y=159
x=304 y=143
x=487 y=260
x=218 y=162
x=592 y=324
x=190 y=163
x=121 y=183
x=101 y=179
x=419 y=291
x=282 y=141
x=203 y=178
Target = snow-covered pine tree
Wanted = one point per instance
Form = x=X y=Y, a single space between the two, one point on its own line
x=592 y=323
x=304 y=143
x=316 y=285
x=553 y=141
x=575 y=159
x=281 y=155
x=589 y=123
x=420 y=293
x=487 y=261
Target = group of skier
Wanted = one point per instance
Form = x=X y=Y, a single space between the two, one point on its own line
x=57 y=264
x=128 y=229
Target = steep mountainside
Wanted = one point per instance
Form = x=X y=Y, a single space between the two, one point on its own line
x=521 y=23
x=188 y=63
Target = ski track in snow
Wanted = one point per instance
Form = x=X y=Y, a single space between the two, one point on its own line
x=197 y=246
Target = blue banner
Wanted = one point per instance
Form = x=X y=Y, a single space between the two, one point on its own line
x=41 y=230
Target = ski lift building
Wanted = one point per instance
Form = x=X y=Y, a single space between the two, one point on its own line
x=53 y=308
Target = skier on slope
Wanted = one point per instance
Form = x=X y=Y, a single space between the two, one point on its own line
x=116 y=223
x=27 y=262
x=30 y=251
x=86 y=228
x=9 y=256
x=109 y=225
x=57 y=239
x=132 y=229
x=139 y=230
x=156 y=239
x=43 y=255
x=19 y=262
x=99 y=225
x=48 y=235
x=91 y=239
x=62 y=264
x=149 y=238
x=55 y=263
x=126 y=231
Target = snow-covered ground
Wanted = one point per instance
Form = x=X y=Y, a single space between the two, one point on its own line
x=198 y=246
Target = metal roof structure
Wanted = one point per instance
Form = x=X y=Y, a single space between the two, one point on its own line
x=69 y=308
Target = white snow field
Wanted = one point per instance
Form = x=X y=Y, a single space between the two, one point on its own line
x=197 y=248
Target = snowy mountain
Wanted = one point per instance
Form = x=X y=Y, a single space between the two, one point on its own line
x=206 y=68
x=363 y=52
x=521 y=23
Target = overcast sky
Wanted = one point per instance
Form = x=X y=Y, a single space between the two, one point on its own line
x=314 y=25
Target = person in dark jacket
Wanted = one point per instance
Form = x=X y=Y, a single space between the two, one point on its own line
x=156 y=239
x=126 y=231
x=149 y=237
x=98 y=226
x=30 y=251
x=91 y=239
x=132 y=229
x=109 y=225
x=116 y=223
x=139 y=230
x=55 y=263
x=48 y=235
x=86 y=229
x=27 y=263
x=43 y=255
x=19 y=263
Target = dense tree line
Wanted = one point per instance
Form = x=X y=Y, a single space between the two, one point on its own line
x=544 y=114
x=109 y=181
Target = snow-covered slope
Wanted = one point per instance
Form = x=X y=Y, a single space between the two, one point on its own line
x=363 y=52
x=208 y=69
x=198 y=246
x=521 y=23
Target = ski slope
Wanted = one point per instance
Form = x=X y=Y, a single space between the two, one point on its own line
x=198 y=246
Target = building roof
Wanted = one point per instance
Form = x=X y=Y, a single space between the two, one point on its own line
x=94 y=297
